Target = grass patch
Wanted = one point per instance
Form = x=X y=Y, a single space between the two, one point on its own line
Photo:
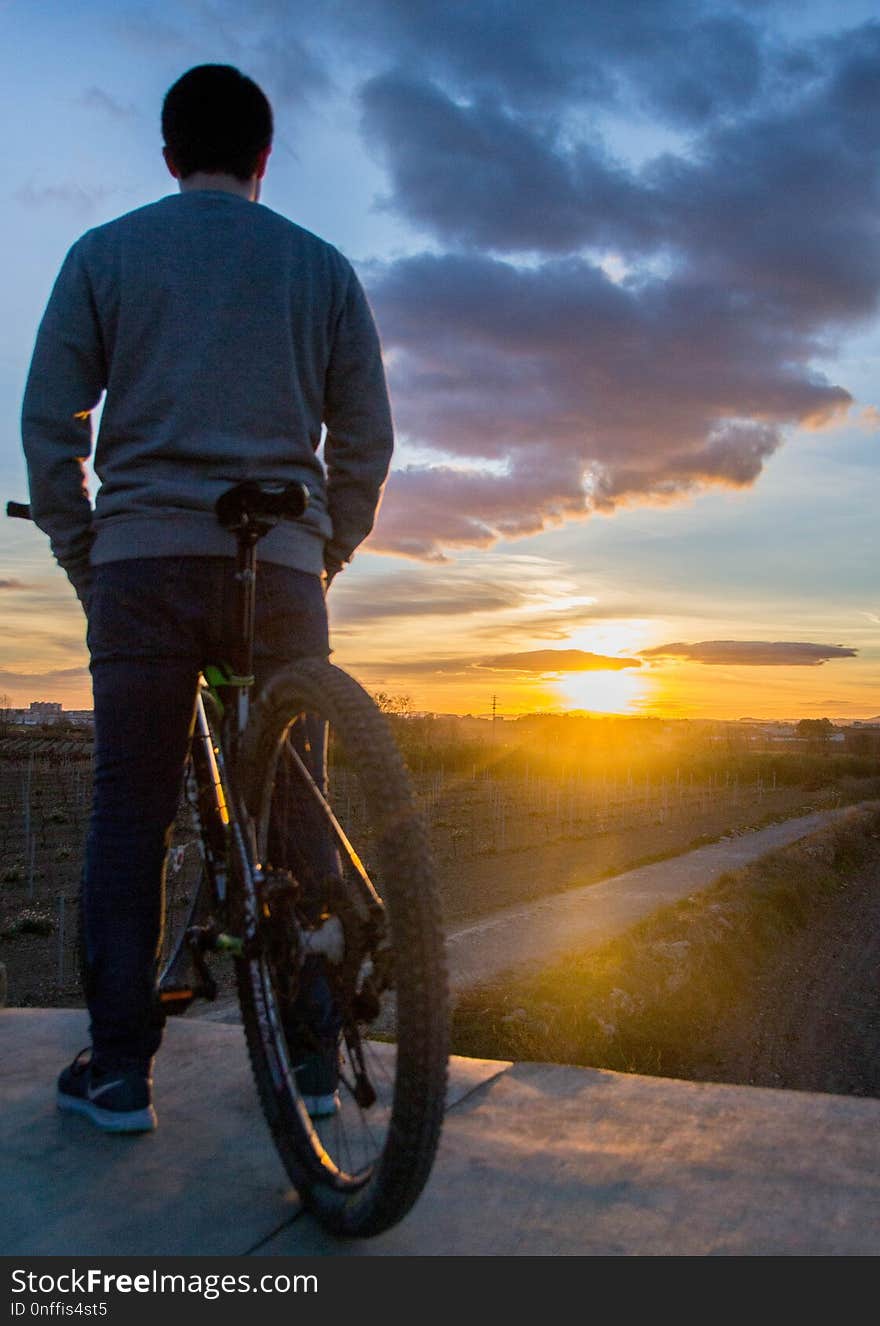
x=653 y=1001
x=29 y=921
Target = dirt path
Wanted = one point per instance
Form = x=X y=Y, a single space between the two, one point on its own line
x=480 y=884
x=520 y=938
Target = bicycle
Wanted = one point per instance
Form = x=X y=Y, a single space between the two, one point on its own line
x=374 y=932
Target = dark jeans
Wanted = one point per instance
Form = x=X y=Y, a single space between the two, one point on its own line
x=153 y=624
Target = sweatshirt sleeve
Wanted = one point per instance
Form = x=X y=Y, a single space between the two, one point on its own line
x=360 y=437
x=65 y=382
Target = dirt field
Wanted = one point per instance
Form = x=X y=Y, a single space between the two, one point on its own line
x=497 y=842
x=815 y=1020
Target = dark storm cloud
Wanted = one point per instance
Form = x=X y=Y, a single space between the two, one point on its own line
x=752 y=653
x=747 y=256
x=479 y=175
x=588 y=394
x=541 y=661
x=780 y=203
x=677 y=57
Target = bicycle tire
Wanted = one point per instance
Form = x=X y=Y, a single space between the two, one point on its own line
x=347 y=1196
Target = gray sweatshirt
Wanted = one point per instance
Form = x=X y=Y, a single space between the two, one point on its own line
x=224 y=336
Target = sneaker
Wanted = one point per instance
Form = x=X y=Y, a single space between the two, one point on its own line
x=114 y=1099
x=317 y=1077
x=321 y=1107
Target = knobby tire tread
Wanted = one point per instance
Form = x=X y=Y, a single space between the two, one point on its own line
x=412 y=897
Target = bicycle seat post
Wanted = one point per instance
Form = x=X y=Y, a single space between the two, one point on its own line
x=247 y=535
x=250 y=510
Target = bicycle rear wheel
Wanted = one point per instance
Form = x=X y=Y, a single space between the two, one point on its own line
x=360 y=1170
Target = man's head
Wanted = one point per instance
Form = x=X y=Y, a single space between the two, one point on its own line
x=216 y=121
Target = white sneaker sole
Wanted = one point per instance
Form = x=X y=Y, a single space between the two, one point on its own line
x=110 y=1121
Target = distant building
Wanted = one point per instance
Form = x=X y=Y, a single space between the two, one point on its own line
x=79 y=717
x=44 y=711
x=41 y=712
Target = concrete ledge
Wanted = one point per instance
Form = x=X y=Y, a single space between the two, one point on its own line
x=535 y=1159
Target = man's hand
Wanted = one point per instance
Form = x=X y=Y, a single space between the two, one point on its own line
x=331 y=570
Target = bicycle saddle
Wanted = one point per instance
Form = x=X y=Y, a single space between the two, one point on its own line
x=251 y=505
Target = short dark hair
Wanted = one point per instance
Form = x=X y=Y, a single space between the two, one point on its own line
x=216 y=119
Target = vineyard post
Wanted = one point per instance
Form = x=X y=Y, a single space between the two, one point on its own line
x=31 y=849
x=27 y=804
x=61 y=908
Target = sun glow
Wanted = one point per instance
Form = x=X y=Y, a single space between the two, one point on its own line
x=604 y=692
x=624 y=636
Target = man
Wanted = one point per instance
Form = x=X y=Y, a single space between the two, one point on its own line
x=224 y=336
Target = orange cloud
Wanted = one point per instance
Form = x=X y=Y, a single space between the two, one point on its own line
x=539 y=661
x=753 y=653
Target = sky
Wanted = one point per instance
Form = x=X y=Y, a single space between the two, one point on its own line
x=624 y=263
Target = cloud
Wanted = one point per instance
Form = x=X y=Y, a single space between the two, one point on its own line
x=479 y=175
x=679 y=57
x=541 y=661
x=558 y=623
x=752 y=653
x=267 y=40
x=537 y=389
x=95 y=98
x=429 y=509
x=13 y=584
x=515 y=587
x=54 y=675
x=53 y=684
x=587 y=393
x=419 y=594
x=70 y=194
x=145 y=29
x=509 y=341
x=290 y=70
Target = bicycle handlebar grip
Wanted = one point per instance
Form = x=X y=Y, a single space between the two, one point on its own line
x=20 y=510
